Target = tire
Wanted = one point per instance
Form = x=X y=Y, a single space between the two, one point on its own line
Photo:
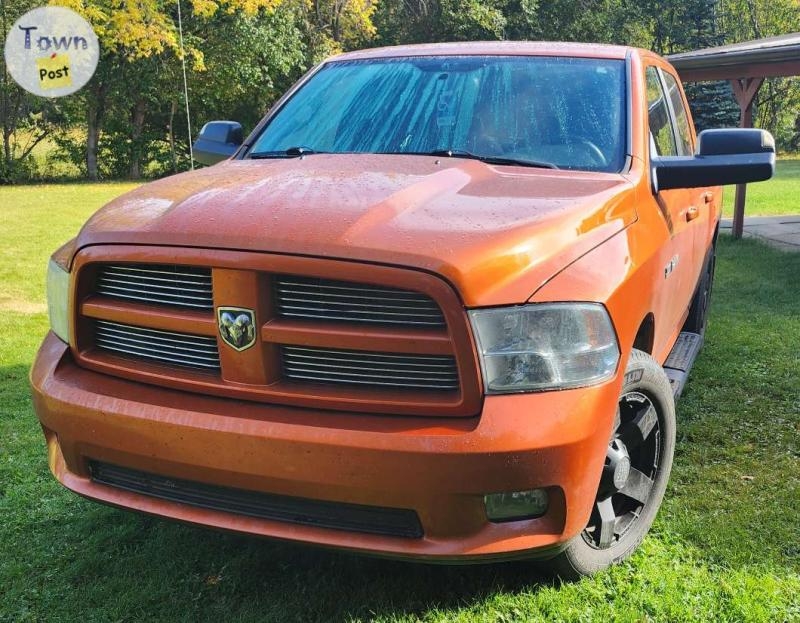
x=644 y=432
x=697 y=320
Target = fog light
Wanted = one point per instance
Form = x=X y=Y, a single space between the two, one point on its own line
x=515 y=505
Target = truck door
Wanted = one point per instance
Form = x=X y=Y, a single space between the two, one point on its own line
x=677 y=208
x=702 y=209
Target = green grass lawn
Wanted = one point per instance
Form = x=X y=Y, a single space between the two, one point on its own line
x=778 y=196
x=725 y=546
x=36 y=221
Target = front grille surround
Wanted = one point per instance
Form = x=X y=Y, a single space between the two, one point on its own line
x=247 y=279
x=394 y=522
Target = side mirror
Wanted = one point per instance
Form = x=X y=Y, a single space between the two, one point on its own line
x=735 y=156
x=218 y=140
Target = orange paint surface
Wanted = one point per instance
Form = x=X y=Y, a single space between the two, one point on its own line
x=463 y=233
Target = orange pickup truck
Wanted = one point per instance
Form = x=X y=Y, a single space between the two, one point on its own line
x=438 y=305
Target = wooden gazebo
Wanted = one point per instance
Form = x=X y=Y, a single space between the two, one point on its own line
x=745 y=65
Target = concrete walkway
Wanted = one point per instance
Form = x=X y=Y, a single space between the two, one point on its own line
x=782 y=232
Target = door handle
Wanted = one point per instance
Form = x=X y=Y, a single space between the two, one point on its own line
x=692 y=213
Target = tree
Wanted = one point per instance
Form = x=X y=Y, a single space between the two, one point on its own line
x=712 y=103
x=131 y=34
x=329 y=27
x=418 y=21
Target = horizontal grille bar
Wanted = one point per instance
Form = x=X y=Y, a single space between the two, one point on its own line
x=347 y=367
x=167 y=347
x=325 y=299
x=323 y=514
x=177 y=286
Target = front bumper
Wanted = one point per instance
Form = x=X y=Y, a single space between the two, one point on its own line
x=439 y=467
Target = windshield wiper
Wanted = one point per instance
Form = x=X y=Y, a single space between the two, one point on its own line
x=295 y=152
x=460 y=153
x=291 y=152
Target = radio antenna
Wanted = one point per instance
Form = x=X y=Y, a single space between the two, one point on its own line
x=185 y=85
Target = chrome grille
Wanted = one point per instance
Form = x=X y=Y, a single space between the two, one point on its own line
x=166 y=347
x=352 y=367
x=324 y=299
x=178 y=286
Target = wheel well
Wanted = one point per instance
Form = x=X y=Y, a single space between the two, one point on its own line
x=645 y=335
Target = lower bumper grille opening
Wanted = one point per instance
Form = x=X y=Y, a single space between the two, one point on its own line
x=320 y=513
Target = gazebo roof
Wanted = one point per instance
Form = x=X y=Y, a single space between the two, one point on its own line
x=762 y=58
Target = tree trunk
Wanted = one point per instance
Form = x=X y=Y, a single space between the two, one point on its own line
x=6 y=143
x=137 y=127
x=171 y=130
x=7 y=126
x=5 y=107
x=94 y=122
x=92 y=135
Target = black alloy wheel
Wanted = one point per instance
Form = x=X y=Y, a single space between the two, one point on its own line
x=634 y=474
x=630 y=468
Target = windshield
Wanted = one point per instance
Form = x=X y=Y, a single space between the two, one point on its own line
x=567 y=112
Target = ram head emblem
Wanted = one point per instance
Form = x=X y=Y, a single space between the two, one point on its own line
x=237 y=327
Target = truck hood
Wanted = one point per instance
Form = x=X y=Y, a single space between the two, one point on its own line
x=496 y=233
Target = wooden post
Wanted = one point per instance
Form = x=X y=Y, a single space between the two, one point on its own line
x=745 y=91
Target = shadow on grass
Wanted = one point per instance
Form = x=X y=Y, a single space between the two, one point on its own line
x=91 y=558
x=213 y=574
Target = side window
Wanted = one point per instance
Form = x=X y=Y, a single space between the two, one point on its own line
x=681 y=118
x=658 y=115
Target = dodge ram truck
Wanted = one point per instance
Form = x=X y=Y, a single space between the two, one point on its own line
x=438 y=305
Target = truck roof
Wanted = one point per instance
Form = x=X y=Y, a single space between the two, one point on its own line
x=494 y=48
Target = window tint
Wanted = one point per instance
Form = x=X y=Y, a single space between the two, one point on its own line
x=566 y=111
x=681 y=118
x=658 y=115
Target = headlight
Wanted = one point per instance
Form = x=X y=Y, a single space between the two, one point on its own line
x=544 y=346
x=57 y=299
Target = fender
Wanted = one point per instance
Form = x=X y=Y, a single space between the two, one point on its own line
x=617 y=274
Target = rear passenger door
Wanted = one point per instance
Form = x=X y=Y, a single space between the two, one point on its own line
x=676 y=205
